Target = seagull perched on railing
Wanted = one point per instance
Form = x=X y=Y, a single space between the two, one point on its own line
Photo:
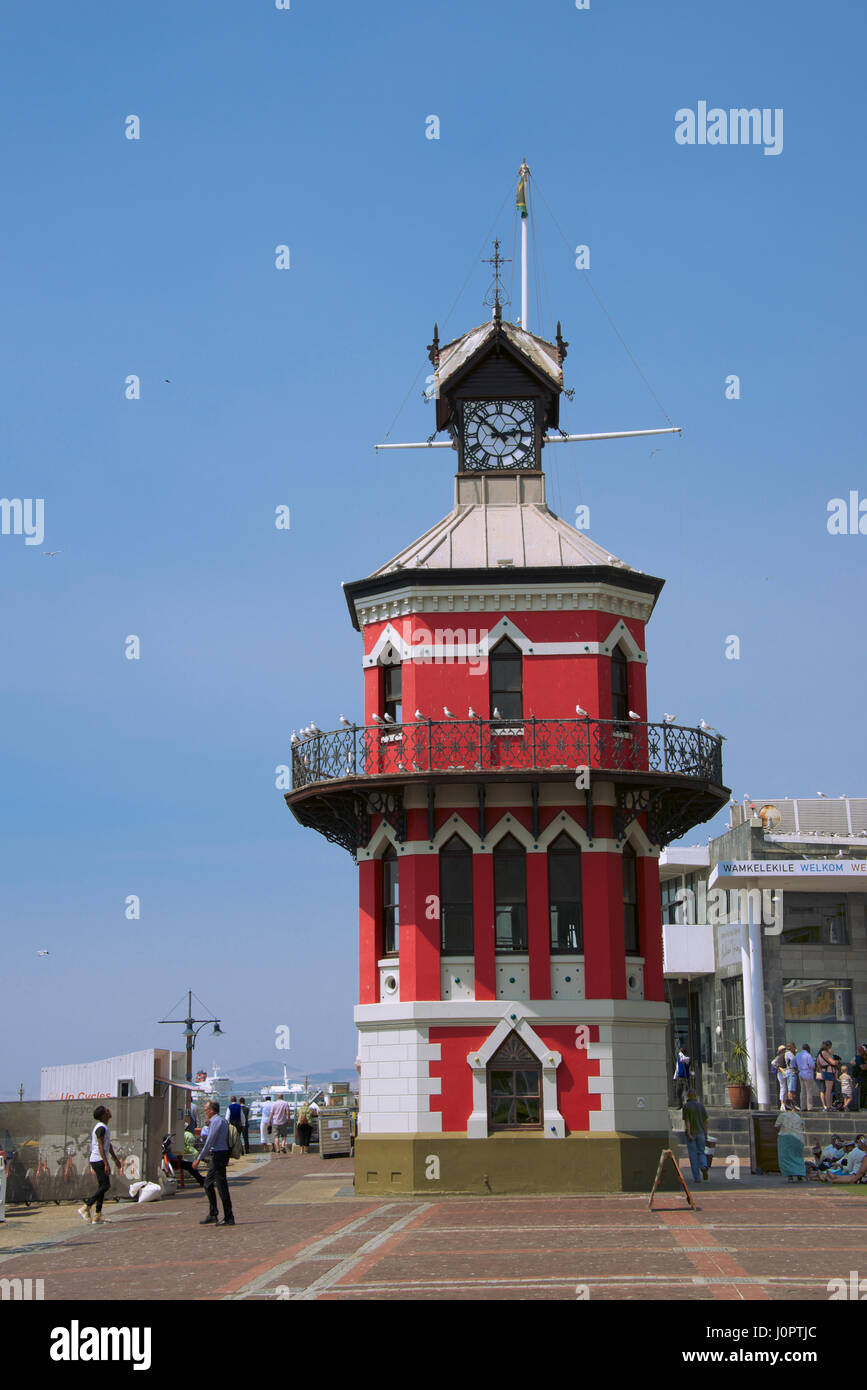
x=497 y=714
x=314 y=729
x=377 y=718
x=472 y=713
x=388 y=719
x=633 y=715
x=294 y=739
x=708 y=728
x=582 y=713
x=419 y=715
x=669 y=718
x=347 y=724
x=447 y=712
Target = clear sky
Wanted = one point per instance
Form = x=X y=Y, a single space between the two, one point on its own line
x=156 y=257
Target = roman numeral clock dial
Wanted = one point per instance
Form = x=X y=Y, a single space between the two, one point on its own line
x=499 y=434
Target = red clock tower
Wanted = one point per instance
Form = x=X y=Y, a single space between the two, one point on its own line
x=506 y=800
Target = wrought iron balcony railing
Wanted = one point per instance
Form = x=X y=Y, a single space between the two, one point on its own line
x=490 y=745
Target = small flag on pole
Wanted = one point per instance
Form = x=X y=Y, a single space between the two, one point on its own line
x=521 y=197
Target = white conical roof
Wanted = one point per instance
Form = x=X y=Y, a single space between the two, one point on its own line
x=500 y=522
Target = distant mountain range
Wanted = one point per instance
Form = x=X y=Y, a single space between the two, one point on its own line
x=255 y=1075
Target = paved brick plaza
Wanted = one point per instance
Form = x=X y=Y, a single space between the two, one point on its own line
x=301 y=1234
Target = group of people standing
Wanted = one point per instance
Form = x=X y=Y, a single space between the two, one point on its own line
x=801 y=1077
x=275 y=1121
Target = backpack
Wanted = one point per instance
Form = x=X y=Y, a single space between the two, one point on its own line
x=236 y=1148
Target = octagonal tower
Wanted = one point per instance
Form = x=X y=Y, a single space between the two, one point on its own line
x=506 y=800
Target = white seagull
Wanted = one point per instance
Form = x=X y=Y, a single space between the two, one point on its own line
x=708 y=728
x=347 y=724
x=314 y=729
x=447 y=712
x=497 y=714
x=294 y=739
x=43 y=953
x=669 y=718
x=377 y=718
x=633 y=715
x=822 y=794
x=388 y=719
x=472 y=713
x=582 y=713
x=418 y=714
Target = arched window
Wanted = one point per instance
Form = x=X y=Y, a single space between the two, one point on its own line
x=514 y=1087
x=564 y=895
x=504 y=668
x=619 y=686
x=510 y=895
x=392 y=692
x=630 y=901
x=390 y=911
x=456 y=897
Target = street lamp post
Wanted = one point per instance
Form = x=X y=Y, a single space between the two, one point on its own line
x=191 y=1032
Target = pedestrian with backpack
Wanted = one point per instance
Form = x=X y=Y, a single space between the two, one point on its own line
x=216 y=1149
x=681 y=1077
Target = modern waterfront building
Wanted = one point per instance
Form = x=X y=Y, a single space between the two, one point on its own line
x=809 y=951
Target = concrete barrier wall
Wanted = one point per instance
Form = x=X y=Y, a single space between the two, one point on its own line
x=47 y=1146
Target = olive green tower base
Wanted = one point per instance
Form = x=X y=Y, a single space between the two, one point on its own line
x=507 y=1164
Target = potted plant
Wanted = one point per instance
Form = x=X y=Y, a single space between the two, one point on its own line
x=738 y=1076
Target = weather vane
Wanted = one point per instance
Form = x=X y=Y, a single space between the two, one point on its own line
x=496 y=297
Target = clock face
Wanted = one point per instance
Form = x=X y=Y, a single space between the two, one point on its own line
x=499 y=434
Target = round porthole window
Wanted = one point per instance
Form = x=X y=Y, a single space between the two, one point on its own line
x=632 y=981
x=389 y=984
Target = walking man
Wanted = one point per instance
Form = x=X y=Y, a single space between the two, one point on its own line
x=681 y=1076
x=245 y=1124
x=216 y=1150
x=100 y=1149
x=280 y=1124
x=695 y=1129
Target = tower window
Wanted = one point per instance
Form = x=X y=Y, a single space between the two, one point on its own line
x=393 y=684
x=390 y=911
x=564 y=895
x=510 y=895
x=504 y=665
x=619 y=686
x=630 y=901
x=456 y=897
x=514 y=1087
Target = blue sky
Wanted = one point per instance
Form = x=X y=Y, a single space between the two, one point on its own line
x=155 y=257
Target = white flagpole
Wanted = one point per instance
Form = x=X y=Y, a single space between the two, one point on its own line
x=525 y=278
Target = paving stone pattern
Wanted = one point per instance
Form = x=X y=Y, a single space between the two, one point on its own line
x=303 y=1235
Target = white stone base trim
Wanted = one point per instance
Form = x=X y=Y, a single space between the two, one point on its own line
x=633 y=1066
x=395 y=1084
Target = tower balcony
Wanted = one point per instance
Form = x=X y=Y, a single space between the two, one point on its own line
x=670 y=772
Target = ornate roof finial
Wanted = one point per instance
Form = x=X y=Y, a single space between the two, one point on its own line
x=561 y=342
x=495 y=297
x=433 y=348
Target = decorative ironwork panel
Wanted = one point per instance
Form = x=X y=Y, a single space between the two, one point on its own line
x=491 y=745
x=513 y=1049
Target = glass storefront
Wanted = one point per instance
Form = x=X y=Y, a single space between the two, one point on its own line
x=818 y=1009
